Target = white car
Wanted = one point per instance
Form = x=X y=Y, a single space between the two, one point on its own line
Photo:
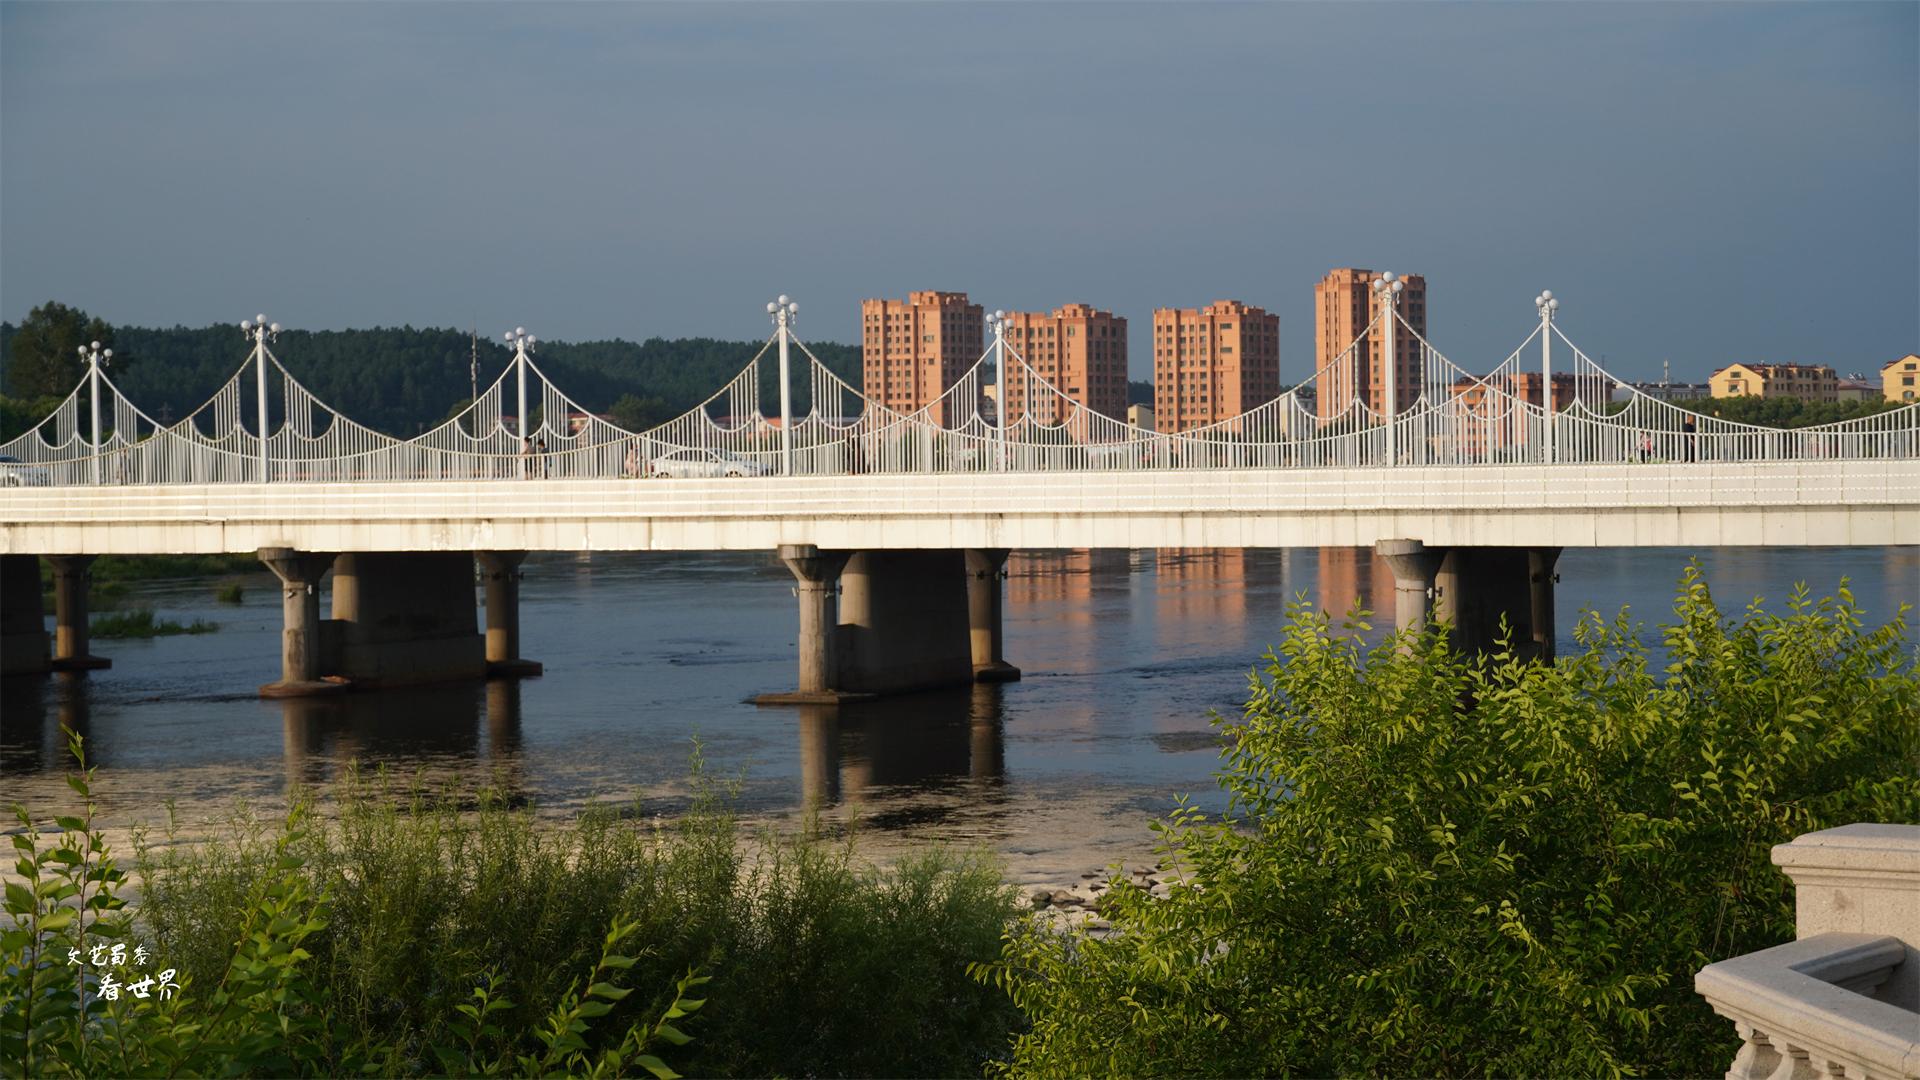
x=17 y=473
x=695 y=464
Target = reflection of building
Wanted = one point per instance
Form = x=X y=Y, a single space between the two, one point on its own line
x=912 y=351
x=1081 y=351
x=1811 y=382
x=1898 y=378
x=1344 y=303
x=1205 y=584
x=1213 y=363
x=1350 y=576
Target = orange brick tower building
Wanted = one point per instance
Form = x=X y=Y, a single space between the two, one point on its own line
x=1078 y=349
x=1212 y=363
x=1344 y=303
x=912 y=351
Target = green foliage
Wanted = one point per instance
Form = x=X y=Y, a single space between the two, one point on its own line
x=1788 y=412
x=18 y=415
x=255 y=1003
x=636 y=413
x=141 y=623
x=230 y=592
x=1439 y=865
x=449 y=920
x=42 y=352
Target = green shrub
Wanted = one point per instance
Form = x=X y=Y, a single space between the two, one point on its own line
x=141 y=623
x=1436 y=865
x=230 y=593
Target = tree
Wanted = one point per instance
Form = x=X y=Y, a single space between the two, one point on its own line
x=636 y=413
x=1439 y=865
x=43 y=356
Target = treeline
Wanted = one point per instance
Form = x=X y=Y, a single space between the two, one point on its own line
x=401 y=380
x=1787 y=412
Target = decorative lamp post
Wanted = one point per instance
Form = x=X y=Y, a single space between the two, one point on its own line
x=997 y=322
x=1388 y=288
x=260 y=331
x=1546 y=305
x=95 y=358
x=783 y=311
x=523 y=344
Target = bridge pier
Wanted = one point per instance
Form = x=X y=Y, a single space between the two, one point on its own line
x=816 y=576
x=903 y=621
x=72 y=574
x=404 y=617
x=501 y=572
x=985 y=600
x=23 y=617
x=1471 y=589
x=300 y=649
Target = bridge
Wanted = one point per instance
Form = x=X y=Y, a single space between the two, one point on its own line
x=896 y=525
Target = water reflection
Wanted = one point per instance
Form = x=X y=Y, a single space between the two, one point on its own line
x=950 y=741
x=35 y=708
x=436 y=730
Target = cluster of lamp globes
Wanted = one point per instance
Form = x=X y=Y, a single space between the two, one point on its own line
x=259 y=325
x=997 y=320
x=95 y=354
x=1545 y=303
x=1388 y=283
x=783 y=309
x=518 y=338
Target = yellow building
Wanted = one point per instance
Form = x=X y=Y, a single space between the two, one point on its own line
x=1810 y=382
x=1901 y=378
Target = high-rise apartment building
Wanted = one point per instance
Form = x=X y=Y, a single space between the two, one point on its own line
x=1081 y=351
x=1212 y=363
x=912 y=351
x=1344 y=304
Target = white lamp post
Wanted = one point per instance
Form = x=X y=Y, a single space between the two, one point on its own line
x=1546 y=305
x=997 y=322
x=95 y=358
x=1388 y=288
x=523 y=344
x=260 y=331
x=783 y=310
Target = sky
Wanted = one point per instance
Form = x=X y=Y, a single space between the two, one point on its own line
x=1699 y=183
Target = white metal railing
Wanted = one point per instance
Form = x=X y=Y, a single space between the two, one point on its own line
x=1509 y=416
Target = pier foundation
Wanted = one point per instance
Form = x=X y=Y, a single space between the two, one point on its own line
x=816 y=577
x=986 y=571
x=404 y=617
x=1472 y=589
x=500 y=571
x=300 y=646
x=72 y=575
x=903 y=621
x=23 y=618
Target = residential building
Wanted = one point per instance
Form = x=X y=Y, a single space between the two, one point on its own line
x=1900 y=379
x=913 y=350
x=1344 y=305
x=1141 y=416
x=1213 y=363
x=1081 y=351
x=1812 y=382
x=1856 y=387
x=1525 y=385
x=1664 y=391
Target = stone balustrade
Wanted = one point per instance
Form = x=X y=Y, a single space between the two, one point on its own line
x=1844 y=998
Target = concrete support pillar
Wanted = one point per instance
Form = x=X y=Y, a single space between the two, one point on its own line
x=300 y=661
x=500 y=570
x=71 y=576
x=1415 y=570
x=405 y=617
x=1478 y=588
x=985 y=570
x=23 y=617
x=1541 y=578
x=816 y=576
x=903 y=622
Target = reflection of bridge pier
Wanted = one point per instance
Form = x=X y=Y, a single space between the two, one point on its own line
x=321 y=735
x=939 y=737
x=23 y=616
x=1472 y=589
x=894 y=621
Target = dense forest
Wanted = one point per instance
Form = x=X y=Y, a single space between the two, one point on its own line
x=401 y=380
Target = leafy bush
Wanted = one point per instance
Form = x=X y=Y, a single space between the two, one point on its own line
x=140 y=623
x=438 y=906
x=1438 y=865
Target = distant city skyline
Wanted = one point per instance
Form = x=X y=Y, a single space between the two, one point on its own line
x=1705 y=184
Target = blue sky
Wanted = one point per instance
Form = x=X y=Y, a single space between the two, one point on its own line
x=1704 y=183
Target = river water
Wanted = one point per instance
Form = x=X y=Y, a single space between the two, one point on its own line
x=1125 y=654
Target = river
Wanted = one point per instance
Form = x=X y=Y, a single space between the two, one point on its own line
x=1125 y=654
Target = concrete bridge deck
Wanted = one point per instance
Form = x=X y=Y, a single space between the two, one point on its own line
x=1853 y=502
